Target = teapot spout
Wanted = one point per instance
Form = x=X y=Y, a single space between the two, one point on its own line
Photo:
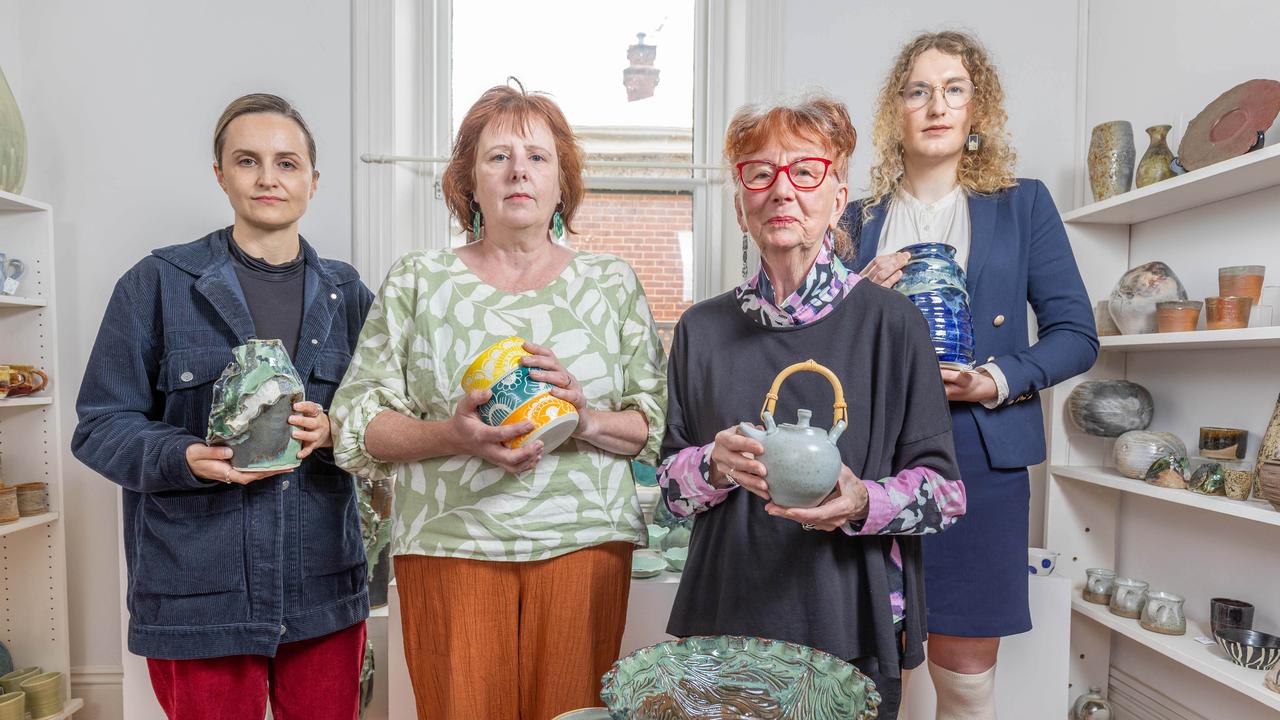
x=834 y=433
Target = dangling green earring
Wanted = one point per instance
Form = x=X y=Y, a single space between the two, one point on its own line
x=557 y=226
x=475 y=225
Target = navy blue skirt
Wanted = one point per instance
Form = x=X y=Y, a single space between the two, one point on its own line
x=976 y=572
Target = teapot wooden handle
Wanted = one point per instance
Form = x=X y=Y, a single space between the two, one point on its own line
x=839 y=410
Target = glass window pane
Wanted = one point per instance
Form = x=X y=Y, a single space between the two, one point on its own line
x=653 y=232
x=629 y=100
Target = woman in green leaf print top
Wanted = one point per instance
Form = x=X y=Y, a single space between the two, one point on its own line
x=513 y=566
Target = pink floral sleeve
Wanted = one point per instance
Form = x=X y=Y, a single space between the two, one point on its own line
x=685 y=481
x=916 y=501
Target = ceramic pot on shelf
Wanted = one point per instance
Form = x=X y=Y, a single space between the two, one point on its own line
x=1091 y=706
x=1111 y=155
x=1133 y=300
x=1157 y=160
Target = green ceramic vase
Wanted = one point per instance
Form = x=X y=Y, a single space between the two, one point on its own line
x=1155 y=164
x=252 y=402
x=13 y=141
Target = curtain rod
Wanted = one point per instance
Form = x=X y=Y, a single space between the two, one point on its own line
x=388 y=159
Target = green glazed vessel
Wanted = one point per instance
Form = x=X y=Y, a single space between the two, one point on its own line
x=252 y=402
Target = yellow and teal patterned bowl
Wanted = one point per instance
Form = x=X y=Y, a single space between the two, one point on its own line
x=510 y=392
x=493 y=363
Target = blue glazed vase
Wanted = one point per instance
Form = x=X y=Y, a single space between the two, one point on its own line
x=935 y=284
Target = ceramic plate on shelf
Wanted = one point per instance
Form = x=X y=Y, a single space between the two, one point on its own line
x=1229 y=126
x=647 y=563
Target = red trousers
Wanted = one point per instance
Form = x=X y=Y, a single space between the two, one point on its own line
x=316 y=679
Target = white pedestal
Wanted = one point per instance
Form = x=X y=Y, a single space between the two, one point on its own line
x=1031 y=677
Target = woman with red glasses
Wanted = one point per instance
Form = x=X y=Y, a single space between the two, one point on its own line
x=845 y=576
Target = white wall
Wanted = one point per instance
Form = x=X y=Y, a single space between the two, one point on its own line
x=120 y=100
x=848 y=47
x=1160 y=62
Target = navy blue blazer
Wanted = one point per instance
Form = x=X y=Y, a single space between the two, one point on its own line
x=1019 y=253
x=214 y=569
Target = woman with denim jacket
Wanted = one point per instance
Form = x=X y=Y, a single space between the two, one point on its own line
x=244 y=587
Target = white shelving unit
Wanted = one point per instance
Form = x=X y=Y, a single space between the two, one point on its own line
x=1098 y=518
x=33 y=577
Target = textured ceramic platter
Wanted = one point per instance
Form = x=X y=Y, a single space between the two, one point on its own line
x=734 y=678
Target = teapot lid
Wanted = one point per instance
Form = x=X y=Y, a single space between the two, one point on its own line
x=802 y=417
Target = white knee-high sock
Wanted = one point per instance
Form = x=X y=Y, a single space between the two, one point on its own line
x=964 y=697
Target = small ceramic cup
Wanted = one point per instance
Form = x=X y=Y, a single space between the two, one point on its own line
x=1163 y=613
x=676 y=558
x=1242 y=281
x=554 y=421
x=1129 y=597
x=1177 y=315
x=45 y=694
x=33 y=499
x=1041 y=561
x=13 y=706
x=1226 y=612
x=1226 y=313
x=1223 y=443
x=9 y=504
x=1237 y=480
x=1099 y=585
x=12 y=682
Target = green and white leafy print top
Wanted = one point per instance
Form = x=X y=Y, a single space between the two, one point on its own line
x=431 y=318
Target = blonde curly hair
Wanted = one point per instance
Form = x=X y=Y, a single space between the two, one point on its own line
x=985 y=170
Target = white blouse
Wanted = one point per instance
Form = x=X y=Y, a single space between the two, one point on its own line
x=946 y=220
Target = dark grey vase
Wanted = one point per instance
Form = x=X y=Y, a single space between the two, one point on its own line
x=1110 y=408
x=252 y=402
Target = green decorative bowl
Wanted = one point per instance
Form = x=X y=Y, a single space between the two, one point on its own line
x=735 y=678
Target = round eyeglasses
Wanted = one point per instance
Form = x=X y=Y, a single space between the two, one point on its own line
x=805 y=173
x=956 y=93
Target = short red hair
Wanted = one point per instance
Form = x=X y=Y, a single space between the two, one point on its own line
x=816 y=118
x=514 y=108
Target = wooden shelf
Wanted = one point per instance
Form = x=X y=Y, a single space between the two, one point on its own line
x=16 y=203
x=27 y=523
x=25 y=401
x=1208 y=660
x=1252 y=510
x=1230 y=178
x=1242 y=338
x=21 y=302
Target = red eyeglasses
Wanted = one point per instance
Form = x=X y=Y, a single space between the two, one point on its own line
x=805 y=173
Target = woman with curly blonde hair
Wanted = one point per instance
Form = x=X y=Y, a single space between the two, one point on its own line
x=944 y=174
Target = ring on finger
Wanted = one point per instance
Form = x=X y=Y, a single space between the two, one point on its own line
x=227 y=478
x=807 y=526
x=729 y=474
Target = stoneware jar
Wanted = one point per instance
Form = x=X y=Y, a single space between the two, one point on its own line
x=936 y=285
x=1136 y=450
x=1156 y=161
x=1091 y=706
x=1110 y=408
x=1164 y=614
x=1134 y=298
x=1227 y=313
x=803 y=462
x=1177 y=315
x=1129 y=597
x=1242 y=281
x=1222 y=443
x=33 y=499
x=1111 y=155
x=1099 y=585
x=8 y=504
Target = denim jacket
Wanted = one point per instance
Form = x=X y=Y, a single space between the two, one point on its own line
x=216 y=569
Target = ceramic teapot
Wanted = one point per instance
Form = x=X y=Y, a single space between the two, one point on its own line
x=802 y=461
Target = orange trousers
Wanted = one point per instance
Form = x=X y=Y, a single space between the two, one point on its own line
x=512 y=640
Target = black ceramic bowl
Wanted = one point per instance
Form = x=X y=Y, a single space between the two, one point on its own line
x=1250 y=648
